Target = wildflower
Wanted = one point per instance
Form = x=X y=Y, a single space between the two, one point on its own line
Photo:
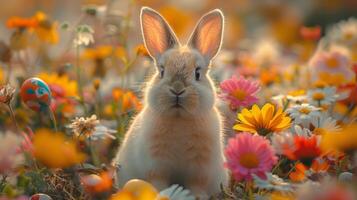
x=299 y=173
x=141 y=50
x=98 y=53
x=303 y=114
x=84 y=36
x=101 y=132
x=310 y=33
x=282 y=141
x=20 y=22
x=304 y=132
x=319 y=165
x=19 y=40
x=84 y=126
x=333 y=67
x=97 y=183
x=305 y=149
x=63 y=91
x=324 y=96
x=54 y=150
x=272 y=182
x=10 y=156
x=6 y=94
x=344 y=32
x=141 y=190
x=344 y=140
x=178 y=18
x=262 y=121
x=126 y=100
x=45 y=29
x=239 y=92
x=249 y=155
x=296 y=95
x=324 y=123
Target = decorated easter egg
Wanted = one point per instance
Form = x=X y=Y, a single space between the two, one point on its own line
x=36 y=94
x=40 y=196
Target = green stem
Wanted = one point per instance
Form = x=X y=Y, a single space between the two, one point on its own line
x=92 y=153
x=53 y=118
x=12 y=114
x=250 y=191
x=80 y=87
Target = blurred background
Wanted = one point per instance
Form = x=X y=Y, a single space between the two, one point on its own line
x=244 y=18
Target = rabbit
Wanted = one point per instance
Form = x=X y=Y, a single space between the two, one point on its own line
x=177 y=136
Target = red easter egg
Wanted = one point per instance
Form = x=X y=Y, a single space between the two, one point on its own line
x=36 y=94
x=40 y=196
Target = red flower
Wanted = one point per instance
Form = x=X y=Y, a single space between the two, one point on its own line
x=310 y=33
x=305 y=150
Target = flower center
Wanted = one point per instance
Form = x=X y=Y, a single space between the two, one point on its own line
x=305 y=111
x=332 y=62
x=319 y=131
x=318 y=96
x=249 y=160
x=348 y=35
x=239 y=94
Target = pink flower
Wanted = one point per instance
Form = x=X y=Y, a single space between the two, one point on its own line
x=239 y=92
x=333 y=67
x=249 y=154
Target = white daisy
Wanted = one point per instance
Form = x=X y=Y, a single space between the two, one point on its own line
x=176 y=192
x=84 y=36
x=303 y=114
x=344 y=32
x=298 y=130
x=324 y=96
x=102 y=132
x=325 y=122
x=272 y=183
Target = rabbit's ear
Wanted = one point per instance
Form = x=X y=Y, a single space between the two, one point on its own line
x=157 y=34
x=208 y=33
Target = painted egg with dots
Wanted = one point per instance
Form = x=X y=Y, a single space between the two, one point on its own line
x=40 y=196
x=36 y=94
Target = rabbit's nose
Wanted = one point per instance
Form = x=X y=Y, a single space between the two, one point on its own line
x=177 y=93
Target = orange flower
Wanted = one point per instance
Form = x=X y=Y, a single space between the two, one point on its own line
x=310 y=33
x=54 y=150
x=344 y=140
x=299 y=174
x=20 y=22
x=141 y=50
x=126 y=99
x=305 y=149
x=319 y=165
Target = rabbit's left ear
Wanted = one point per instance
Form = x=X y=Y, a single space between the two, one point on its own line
x=208 y=33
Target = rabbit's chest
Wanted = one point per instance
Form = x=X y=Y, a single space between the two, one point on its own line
x=182 y=143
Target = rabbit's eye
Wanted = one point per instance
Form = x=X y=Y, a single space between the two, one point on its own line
x=197 y=74
x=162 y=71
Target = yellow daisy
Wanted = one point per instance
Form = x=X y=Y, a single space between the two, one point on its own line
x=46 y=30
x=65 y=86
x=262 y=121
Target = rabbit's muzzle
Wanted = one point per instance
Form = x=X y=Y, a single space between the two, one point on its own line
x=177 y=90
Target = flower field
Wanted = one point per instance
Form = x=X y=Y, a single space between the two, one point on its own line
x=178 y=100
